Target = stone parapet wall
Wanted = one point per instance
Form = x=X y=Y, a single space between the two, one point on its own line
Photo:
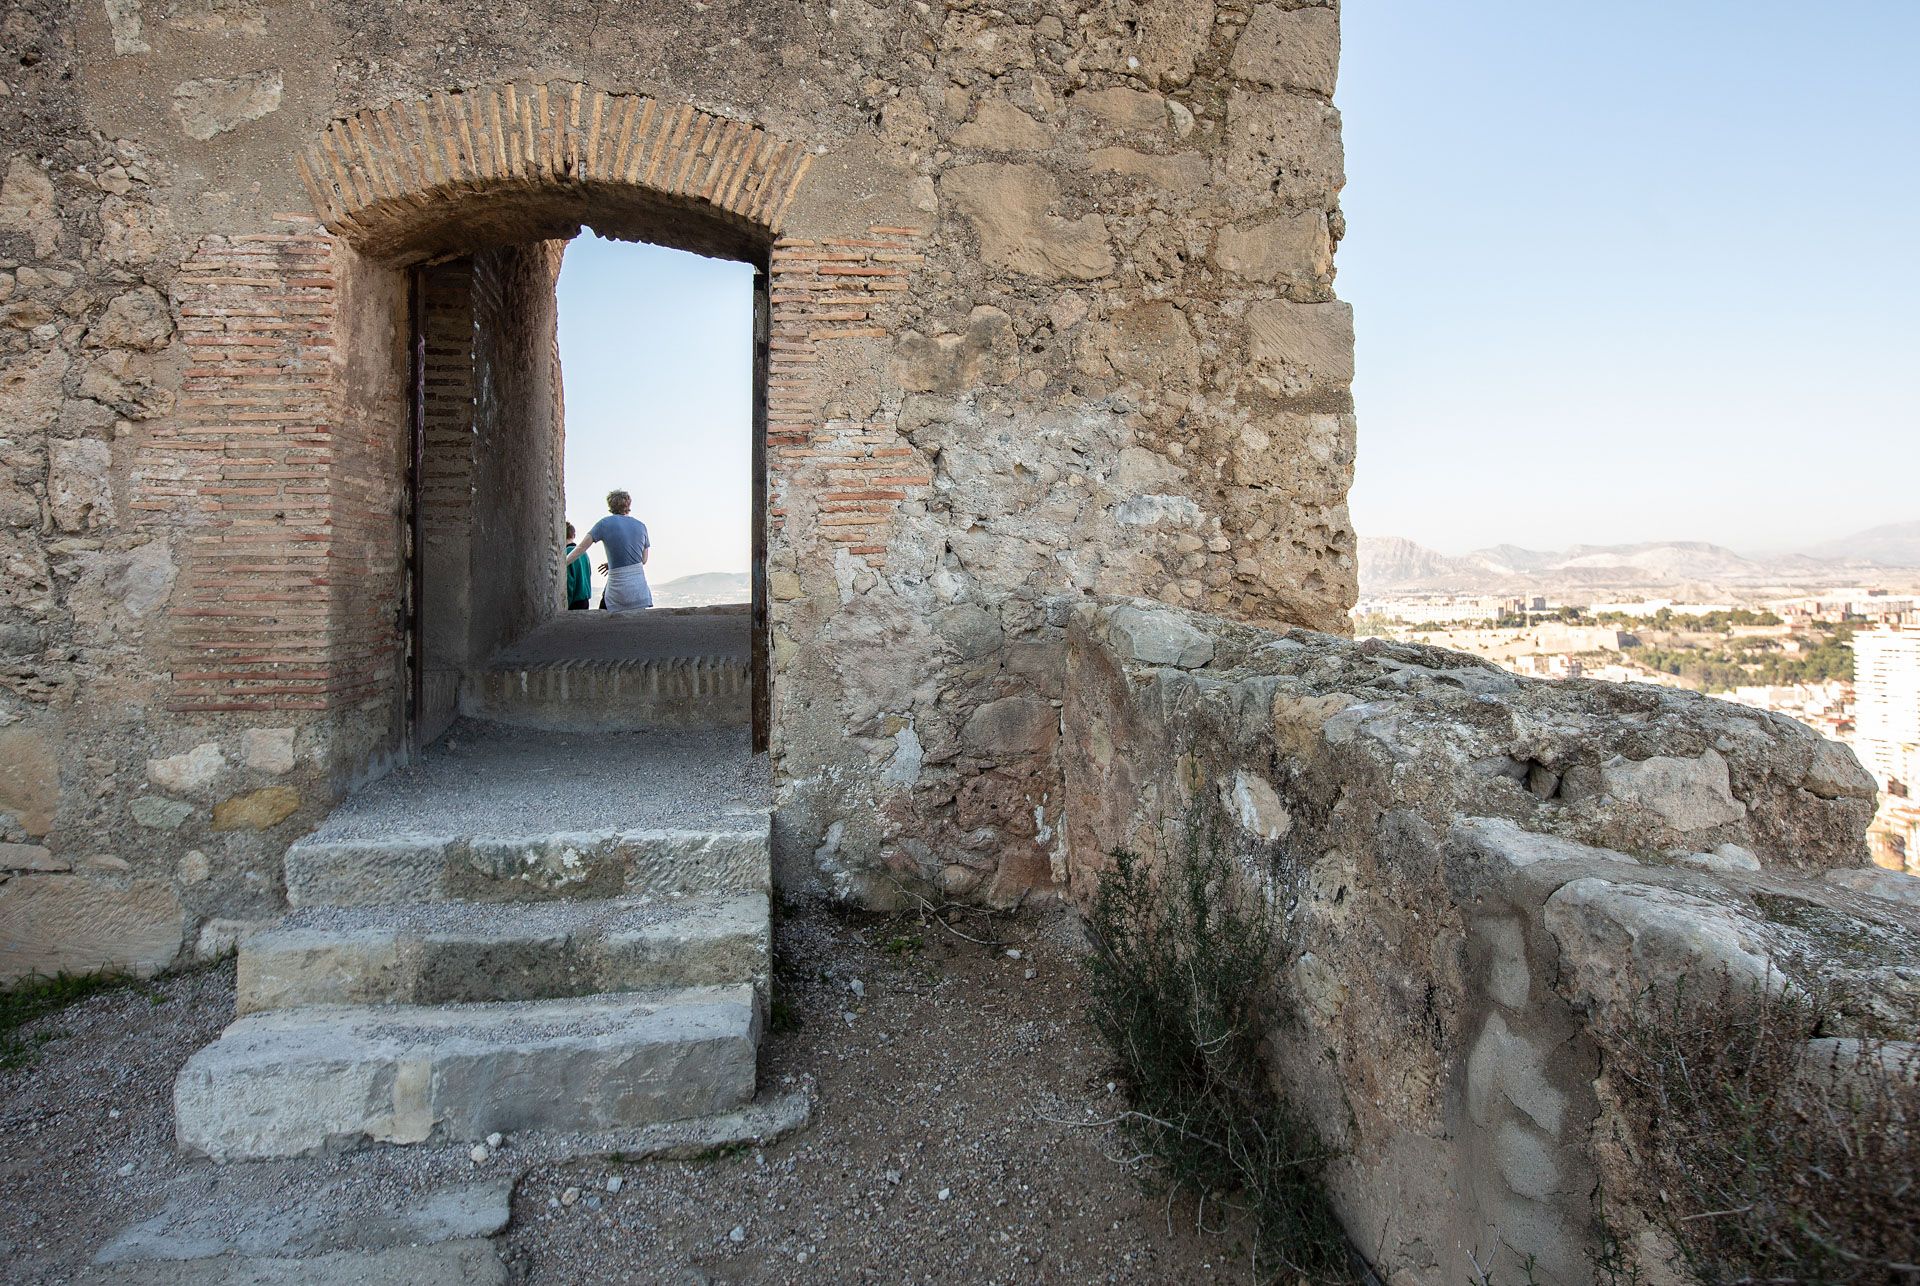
x=1479 y=874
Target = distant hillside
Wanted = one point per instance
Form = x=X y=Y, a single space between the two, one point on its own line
x=1895 y=545
x=703 y=590
x=1391 y=565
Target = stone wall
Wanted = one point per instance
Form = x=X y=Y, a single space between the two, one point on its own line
x=1479 y=872
x=1052 y=314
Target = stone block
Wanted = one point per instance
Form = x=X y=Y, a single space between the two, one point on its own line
x=50 y=923
x=1836 y=773
x=257 y=810
x=79 y=484
x=1289 y=49
x=1131 y=111
x=985 y=352
x=1282 y=148
x=188 y=772
x=138 y=319
x=1025 y=724
x=295 y=1082
x=27 y=205
x=156 y=812
x=31 y=857
x=999 y=126
x=268 y=750
x=219 y=104
x=1291 y=247
x=1301 y=350
x=1179 y=174
x=29 y=777
x=1011 y=207
x=1619 y=940
x=1690 y=794
x=1158 y=638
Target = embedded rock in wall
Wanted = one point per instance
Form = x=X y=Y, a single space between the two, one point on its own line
x=1013 y=209
x=217 y=104
x=29 y=778
x=1486 y=879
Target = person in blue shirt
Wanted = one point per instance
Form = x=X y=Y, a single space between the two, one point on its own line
x=579 y=580
x=627 y=544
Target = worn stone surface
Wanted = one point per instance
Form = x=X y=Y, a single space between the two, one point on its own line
x=294 y=1081
x=216 y=104
x=257 y=810
x=1014 y=210
x=50 y=923
x=29 y=778
x=1483 y=874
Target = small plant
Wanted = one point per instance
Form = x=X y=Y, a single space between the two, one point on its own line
x=1765 y=1163
x=36 y=996
x=1185 y=960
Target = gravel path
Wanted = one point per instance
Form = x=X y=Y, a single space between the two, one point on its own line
x=947 y=1070
x=490 y=780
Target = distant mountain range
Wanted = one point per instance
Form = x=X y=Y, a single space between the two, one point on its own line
x=704 y=589
x=1389 y=565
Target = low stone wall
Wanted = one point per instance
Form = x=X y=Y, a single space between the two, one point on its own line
x=1478 y=873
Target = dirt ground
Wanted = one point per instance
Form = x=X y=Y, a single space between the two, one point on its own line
x=956 y=1134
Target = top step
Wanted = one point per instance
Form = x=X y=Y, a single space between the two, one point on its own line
x=686 y=668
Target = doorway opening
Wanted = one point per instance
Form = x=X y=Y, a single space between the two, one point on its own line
x=546 y=374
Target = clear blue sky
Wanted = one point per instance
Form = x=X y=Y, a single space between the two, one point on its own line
x=1633 y=270
x=656 y=350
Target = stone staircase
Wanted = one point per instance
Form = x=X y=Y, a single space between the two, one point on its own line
x=528 y=930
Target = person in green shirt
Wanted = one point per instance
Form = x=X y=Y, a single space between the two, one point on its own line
x=579 y=579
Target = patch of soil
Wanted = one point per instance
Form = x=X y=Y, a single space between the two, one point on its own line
x=955 y=1135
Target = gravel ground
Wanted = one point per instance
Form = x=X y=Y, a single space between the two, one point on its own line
x=490 y=780
x=938 y=1150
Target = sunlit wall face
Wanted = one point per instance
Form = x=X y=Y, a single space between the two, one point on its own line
x=656 y=350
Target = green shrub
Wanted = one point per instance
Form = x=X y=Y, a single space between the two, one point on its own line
x=1184 y=964
x=1761 y=1164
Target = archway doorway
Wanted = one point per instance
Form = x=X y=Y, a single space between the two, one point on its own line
x=510 y=442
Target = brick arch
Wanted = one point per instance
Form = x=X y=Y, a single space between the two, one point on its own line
x=520 y=161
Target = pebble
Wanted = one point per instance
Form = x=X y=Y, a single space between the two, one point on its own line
x=615 y=1183
x=479 y=1153
x=1013 y=953
x=1032 y=974
x=739 y=1234
x=126 y=1171
x=570 y=1196
x=113 y=1114
x=945 y=1193
x=495 y=1139
x=858 y=988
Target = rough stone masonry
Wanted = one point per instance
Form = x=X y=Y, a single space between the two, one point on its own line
x=1051 y=348
x=1051 y=315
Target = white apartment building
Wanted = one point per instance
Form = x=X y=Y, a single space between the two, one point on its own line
x=1886 y=710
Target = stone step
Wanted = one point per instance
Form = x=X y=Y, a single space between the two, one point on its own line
x=733 y=858
x=661 y=692
x=436 y=953
x=298 y=1081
